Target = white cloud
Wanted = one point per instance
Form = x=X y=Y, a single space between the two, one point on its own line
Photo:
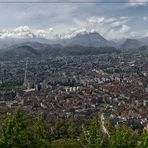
x=110 y=20
x=117 y=23
x=109 y=27
x=122 y=32
x=145 y=18
x=124 y=29
x=73 y=33
x=123 y=17
x=96 y=19
x=137 y=2
x=26 y=32
x=22 y=29
x=146 y=35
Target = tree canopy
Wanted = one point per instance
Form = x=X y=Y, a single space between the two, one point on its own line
x=20 y=130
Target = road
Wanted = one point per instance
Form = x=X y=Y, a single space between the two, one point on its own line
x=103 y=126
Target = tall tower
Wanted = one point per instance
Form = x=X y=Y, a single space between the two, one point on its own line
x=25 y=76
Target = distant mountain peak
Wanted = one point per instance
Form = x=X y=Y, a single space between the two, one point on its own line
x=89 y=39
x=90 y=33
x=132 y=43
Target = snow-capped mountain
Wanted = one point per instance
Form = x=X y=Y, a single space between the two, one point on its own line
x=87 y=39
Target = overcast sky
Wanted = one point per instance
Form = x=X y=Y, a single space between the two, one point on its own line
x=127 y=18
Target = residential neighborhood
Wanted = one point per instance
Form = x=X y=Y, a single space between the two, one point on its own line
x=79 y=87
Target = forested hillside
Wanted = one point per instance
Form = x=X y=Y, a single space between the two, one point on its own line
x=20 y=130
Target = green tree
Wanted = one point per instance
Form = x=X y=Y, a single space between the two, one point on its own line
x=66 y=143
x=19 y=131
x=124 y=136
x=14 y=133
x=73 y=129
x=60 y=130
x=40 y=133
x=144 y=140
x=92 y=135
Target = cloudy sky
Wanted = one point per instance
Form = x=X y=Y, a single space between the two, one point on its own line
x=114 y=19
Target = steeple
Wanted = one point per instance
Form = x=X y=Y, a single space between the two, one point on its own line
x=1 y=75
x=25 y=75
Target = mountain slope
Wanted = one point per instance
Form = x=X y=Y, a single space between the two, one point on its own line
x=144 y=40
x=24 y=51
x=21 y=52
x=87 y=39
x=9 y=42
x=132 y=43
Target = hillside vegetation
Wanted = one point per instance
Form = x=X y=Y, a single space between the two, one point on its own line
x=20 y=130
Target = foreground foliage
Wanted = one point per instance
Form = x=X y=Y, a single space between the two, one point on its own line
x=20 y=130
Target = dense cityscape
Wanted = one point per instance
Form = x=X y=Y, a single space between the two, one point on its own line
x=114 y=85
x=73 y=73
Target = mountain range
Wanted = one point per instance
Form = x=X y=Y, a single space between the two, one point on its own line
x=82 y=43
